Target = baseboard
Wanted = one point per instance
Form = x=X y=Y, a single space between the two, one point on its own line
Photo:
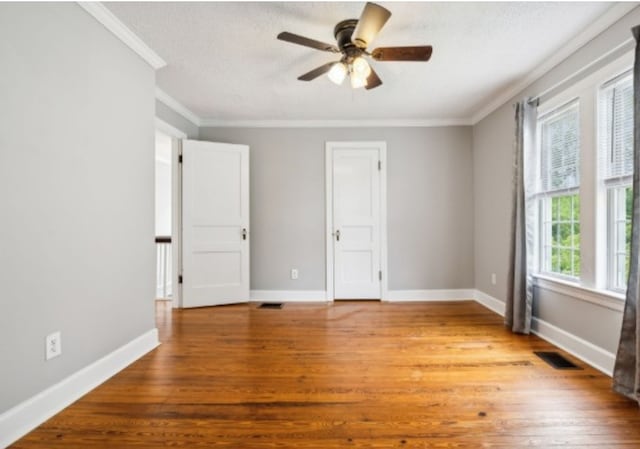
x=589 y=353
x=490 y=302
x=26 y=416
x=430 y=295
x=593 y=355
x=288 y=295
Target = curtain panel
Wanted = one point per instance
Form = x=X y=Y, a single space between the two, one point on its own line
x=523 y=218
x=626 y=372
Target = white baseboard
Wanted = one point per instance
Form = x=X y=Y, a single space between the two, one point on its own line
x=431 y=295
x=288 y=295
x=589 y=353
x=26 y=416
x=490 y=302
x=593 y=355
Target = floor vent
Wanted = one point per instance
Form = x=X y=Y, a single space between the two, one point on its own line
x=270 y=305
x=556 y=360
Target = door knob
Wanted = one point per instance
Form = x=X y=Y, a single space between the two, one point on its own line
x=244 y=233
x=337 y=235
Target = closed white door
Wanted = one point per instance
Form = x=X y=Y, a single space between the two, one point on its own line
x=215 y=223
x=356 y=221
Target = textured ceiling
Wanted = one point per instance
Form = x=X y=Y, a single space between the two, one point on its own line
x=224 y=62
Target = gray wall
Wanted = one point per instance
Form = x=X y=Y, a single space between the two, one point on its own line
x=492 y=172
x=76 y=193
x=165 y=113
x=429 y=204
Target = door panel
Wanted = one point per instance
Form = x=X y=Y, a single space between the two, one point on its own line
x=356 y=222
x=215 y=218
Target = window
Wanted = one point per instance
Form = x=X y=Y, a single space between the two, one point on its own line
x=615 y=127
x=582 y=166
x=559 y=184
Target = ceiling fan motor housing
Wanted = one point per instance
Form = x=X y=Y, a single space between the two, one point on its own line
x=342 y=32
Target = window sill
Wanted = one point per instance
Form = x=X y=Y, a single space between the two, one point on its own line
x=604 y=298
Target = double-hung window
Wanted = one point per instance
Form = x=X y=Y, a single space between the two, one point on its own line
x=615 y=123
x=559 y=191
x=582 y=165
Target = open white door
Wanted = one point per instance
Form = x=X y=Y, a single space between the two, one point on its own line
x=356 y=211
x=215 y=223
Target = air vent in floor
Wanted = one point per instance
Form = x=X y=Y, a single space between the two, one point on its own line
x=556 y=360
x=270 y=305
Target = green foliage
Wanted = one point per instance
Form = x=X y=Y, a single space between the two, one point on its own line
x=565 y=235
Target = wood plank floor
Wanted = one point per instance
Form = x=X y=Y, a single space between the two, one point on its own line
x=348 y=375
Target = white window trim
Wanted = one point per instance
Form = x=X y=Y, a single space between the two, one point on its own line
x=605 y=298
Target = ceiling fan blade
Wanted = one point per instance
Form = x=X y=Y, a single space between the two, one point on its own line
x=305 y=41
x=371 y=21
x=317 y=72
x=373 y=80
x=418 y=53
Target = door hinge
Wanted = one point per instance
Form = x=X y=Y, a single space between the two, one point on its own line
x=380 y=275
x=180 y=279
x=179 y=159
x=379 y=165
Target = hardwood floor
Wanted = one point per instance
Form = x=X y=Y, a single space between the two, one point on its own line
x=347 y=375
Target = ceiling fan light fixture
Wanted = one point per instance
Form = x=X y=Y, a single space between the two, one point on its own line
x=338 y=72
x=361 y=67
x=357 y=80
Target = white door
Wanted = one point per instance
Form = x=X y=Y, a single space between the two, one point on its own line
x=356 y=210
x=215 y=223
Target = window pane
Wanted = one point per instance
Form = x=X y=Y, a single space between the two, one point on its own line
x=565 y=234
x=564 y=207
x=555 y=260
x=619 y=204
x=623 y=271
x=562 y=246
x=560 y=143
x=565 y=261
x=576 y=236
x=576 y=263
x=616 y=127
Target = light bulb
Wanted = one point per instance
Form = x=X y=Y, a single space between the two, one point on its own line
x=358 y=80
x=361 y=67
x=337 y=72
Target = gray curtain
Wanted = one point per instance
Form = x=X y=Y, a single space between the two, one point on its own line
x=520 y=289
x=626 y=373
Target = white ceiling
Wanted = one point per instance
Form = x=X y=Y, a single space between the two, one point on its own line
x=224 y=62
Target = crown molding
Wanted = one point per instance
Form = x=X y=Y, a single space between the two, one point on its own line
x=177 y=107
x=102 y=14
x=386 y=123
x=612 y=15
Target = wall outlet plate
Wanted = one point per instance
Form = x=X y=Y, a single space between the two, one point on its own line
x=493 y=278
x=53 y=345
x=294 y=273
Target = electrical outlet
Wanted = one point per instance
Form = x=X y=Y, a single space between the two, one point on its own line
x=294 y=273
x=493 y=278
x=53 y=345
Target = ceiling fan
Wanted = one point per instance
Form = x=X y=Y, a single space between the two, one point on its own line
x=353 y=36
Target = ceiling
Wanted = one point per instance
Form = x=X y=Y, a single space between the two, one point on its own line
x=224 y=63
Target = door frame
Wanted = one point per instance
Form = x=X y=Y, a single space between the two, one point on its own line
x=176 y=207
x=355 y=145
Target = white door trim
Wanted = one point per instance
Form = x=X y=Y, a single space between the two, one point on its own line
x=329 y=147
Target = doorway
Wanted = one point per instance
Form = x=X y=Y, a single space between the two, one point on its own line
x=168 y=141
x=163 y=207
x=356 y=220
